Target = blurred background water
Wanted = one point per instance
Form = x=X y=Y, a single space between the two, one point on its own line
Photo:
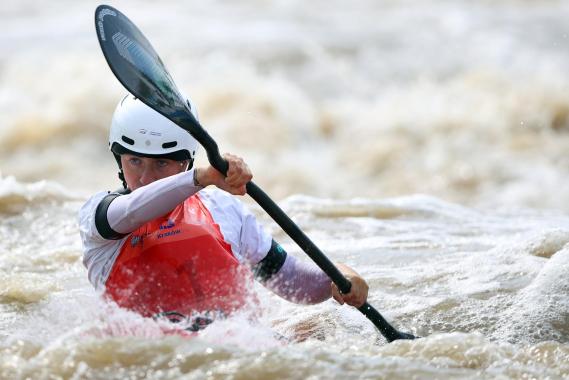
x=421 y=142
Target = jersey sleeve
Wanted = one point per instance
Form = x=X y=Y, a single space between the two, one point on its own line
x=300 y=282
x=99 y=253
x=255 y=240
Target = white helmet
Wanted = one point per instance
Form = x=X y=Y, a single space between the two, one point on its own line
x=138 y=129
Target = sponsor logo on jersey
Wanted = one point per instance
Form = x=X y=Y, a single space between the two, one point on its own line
x=169 y=224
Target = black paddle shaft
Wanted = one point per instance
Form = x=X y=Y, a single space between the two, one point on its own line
x=138 y=67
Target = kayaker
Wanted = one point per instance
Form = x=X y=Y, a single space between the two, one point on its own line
x=170 y=244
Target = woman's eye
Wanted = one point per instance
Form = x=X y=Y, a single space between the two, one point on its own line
x=134 y=161
x=162 y=163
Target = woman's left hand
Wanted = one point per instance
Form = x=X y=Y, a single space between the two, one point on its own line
x=358 y=293
x=238 y=174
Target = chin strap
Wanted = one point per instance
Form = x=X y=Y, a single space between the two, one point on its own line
x=121 y=177
x=121 y=173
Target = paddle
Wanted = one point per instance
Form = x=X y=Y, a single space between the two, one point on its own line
x=141 y=71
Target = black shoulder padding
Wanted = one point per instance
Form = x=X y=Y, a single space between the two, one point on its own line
x=271 y=264
x=101 y=220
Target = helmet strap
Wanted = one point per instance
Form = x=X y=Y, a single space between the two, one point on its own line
x=121 y=173
x=121 y=177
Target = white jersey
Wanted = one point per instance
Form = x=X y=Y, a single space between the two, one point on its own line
x=250 y=243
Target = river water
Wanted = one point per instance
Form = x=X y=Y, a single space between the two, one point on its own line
x=423 y=143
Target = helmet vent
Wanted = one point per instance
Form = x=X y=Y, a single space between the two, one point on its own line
x=170 y=144
x=127 y=140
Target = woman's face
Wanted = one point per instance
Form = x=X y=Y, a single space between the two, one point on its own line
x=140 y=171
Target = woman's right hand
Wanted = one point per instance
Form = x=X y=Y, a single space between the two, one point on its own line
x=238 y=174
x=358 y=292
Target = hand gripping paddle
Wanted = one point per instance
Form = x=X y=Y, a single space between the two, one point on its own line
x=141 y=71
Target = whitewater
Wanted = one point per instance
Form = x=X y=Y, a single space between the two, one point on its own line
x=422 y=143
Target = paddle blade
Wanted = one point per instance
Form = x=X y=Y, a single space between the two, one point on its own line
x=136 y=64
x=138 y=67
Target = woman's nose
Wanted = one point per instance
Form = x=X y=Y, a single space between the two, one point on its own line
x=147 y=176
